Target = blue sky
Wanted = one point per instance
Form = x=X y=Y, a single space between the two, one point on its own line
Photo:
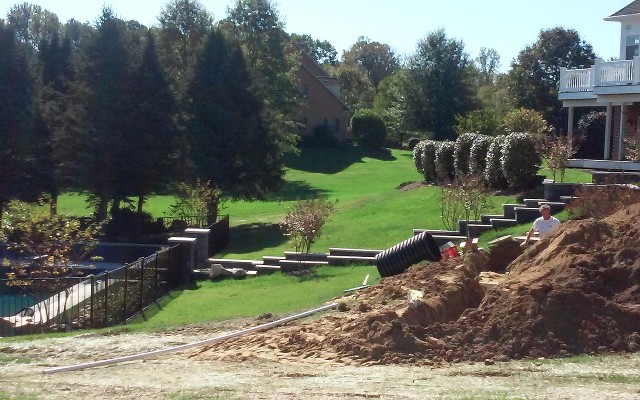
x=505 y=25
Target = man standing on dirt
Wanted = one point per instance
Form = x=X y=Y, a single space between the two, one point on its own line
x=543 y=224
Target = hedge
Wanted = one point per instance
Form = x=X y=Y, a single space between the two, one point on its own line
x=368 y=129
x=462 y=151
x=493 y=174
x=520 y=159
x=444 y=161
x=478 y=154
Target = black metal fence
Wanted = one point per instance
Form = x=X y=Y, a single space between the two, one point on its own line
x=219 y=235
x=30 y=306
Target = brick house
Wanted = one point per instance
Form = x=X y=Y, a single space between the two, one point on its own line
x=321 y=102
x=614 y=85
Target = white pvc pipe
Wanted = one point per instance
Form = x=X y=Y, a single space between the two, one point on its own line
x=154 y=353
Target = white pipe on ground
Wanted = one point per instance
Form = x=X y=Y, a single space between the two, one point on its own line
x=154 y=353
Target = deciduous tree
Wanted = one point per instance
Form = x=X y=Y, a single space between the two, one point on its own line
x=377 y=59
x=272 y=62
x=322 y=51
x=535 y=73
x=440 y=86
x=184 y=24
x=356 y=90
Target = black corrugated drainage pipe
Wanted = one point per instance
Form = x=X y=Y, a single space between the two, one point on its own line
x=395 y=260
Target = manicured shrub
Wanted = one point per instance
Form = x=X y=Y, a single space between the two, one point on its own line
x=462 y=152
x=368 y=129
x=444 y=161
x=493 y=174
x=418 y=149
x=429 y=160
x=478 y=155
x=520 y=160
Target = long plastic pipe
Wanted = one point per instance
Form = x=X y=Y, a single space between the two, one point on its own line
x=154 y=353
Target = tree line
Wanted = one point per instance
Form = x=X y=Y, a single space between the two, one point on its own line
x=120 y=110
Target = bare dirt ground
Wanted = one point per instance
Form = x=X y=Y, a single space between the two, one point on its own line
x=188 y=375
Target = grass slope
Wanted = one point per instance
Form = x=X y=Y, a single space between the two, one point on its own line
x=276 y=293
x=371 y=211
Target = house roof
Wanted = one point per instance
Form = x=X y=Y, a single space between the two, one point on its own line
x=307 y=57
x=631 y=9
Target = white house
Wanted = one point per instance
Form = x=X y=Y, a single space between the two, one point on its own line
x=614 y=85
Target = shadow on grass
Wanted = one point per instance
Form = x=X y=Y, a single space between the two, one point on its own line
x=250 y=238
x=297 y=190
x=325 y=161
x=334 y=160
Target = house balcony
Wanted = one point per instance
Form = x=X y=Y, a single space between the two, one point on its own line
x=604 y=78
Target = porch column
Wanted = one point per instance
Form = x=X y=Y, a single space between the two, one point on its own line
x=621 y=136
x=607 y=134
x=570 y=127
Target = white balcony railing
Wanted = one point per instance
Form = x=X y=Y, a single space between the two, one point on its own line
x=611 y=73
x=576 y=80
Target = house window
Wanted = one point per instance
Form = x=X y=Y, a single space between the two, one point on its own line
x=305 y=122
x=305 y=91
x=336 y=125
x=633 y=44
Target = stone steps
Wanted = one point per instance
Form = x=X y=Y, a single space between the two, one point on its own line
x=339 y=251
x=297 y=256
x=435 y=232
x=475 y=230
x=501 y=223
x=342 y=260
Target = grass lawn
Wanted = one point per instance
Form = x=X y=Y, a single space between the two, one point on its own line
x=371 y=210
x=570 y=175
x=276 y=293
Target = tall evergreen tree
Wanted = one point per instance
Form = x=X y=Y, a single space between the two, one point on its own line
x=230 y=143
x=15 y=118
x=50 y=109
x=106 y=74
x=272 y=62
x=151 y=132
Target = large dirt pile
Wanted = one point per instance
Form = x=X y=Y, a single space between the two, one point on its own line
x=576 y=291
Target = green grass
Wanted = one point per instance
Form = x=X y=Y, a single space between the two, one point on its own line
x=570 y=176
x=276 y=293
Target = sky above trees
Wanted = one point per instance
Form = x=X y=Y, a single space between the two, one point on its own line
x=505 y=25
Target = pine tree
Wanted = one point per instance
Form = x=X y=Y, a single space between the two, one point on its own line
x=230 y=143
x=106 y=74
x=15 y=119
x=152 y=132
x=52 y=167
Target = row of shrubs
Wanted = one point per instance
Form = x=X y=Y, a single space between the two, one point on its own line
x=503 y=161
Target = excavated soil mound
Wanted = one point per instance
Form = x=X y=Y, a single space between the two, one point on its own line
x=382 y=324
x=576 y=291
